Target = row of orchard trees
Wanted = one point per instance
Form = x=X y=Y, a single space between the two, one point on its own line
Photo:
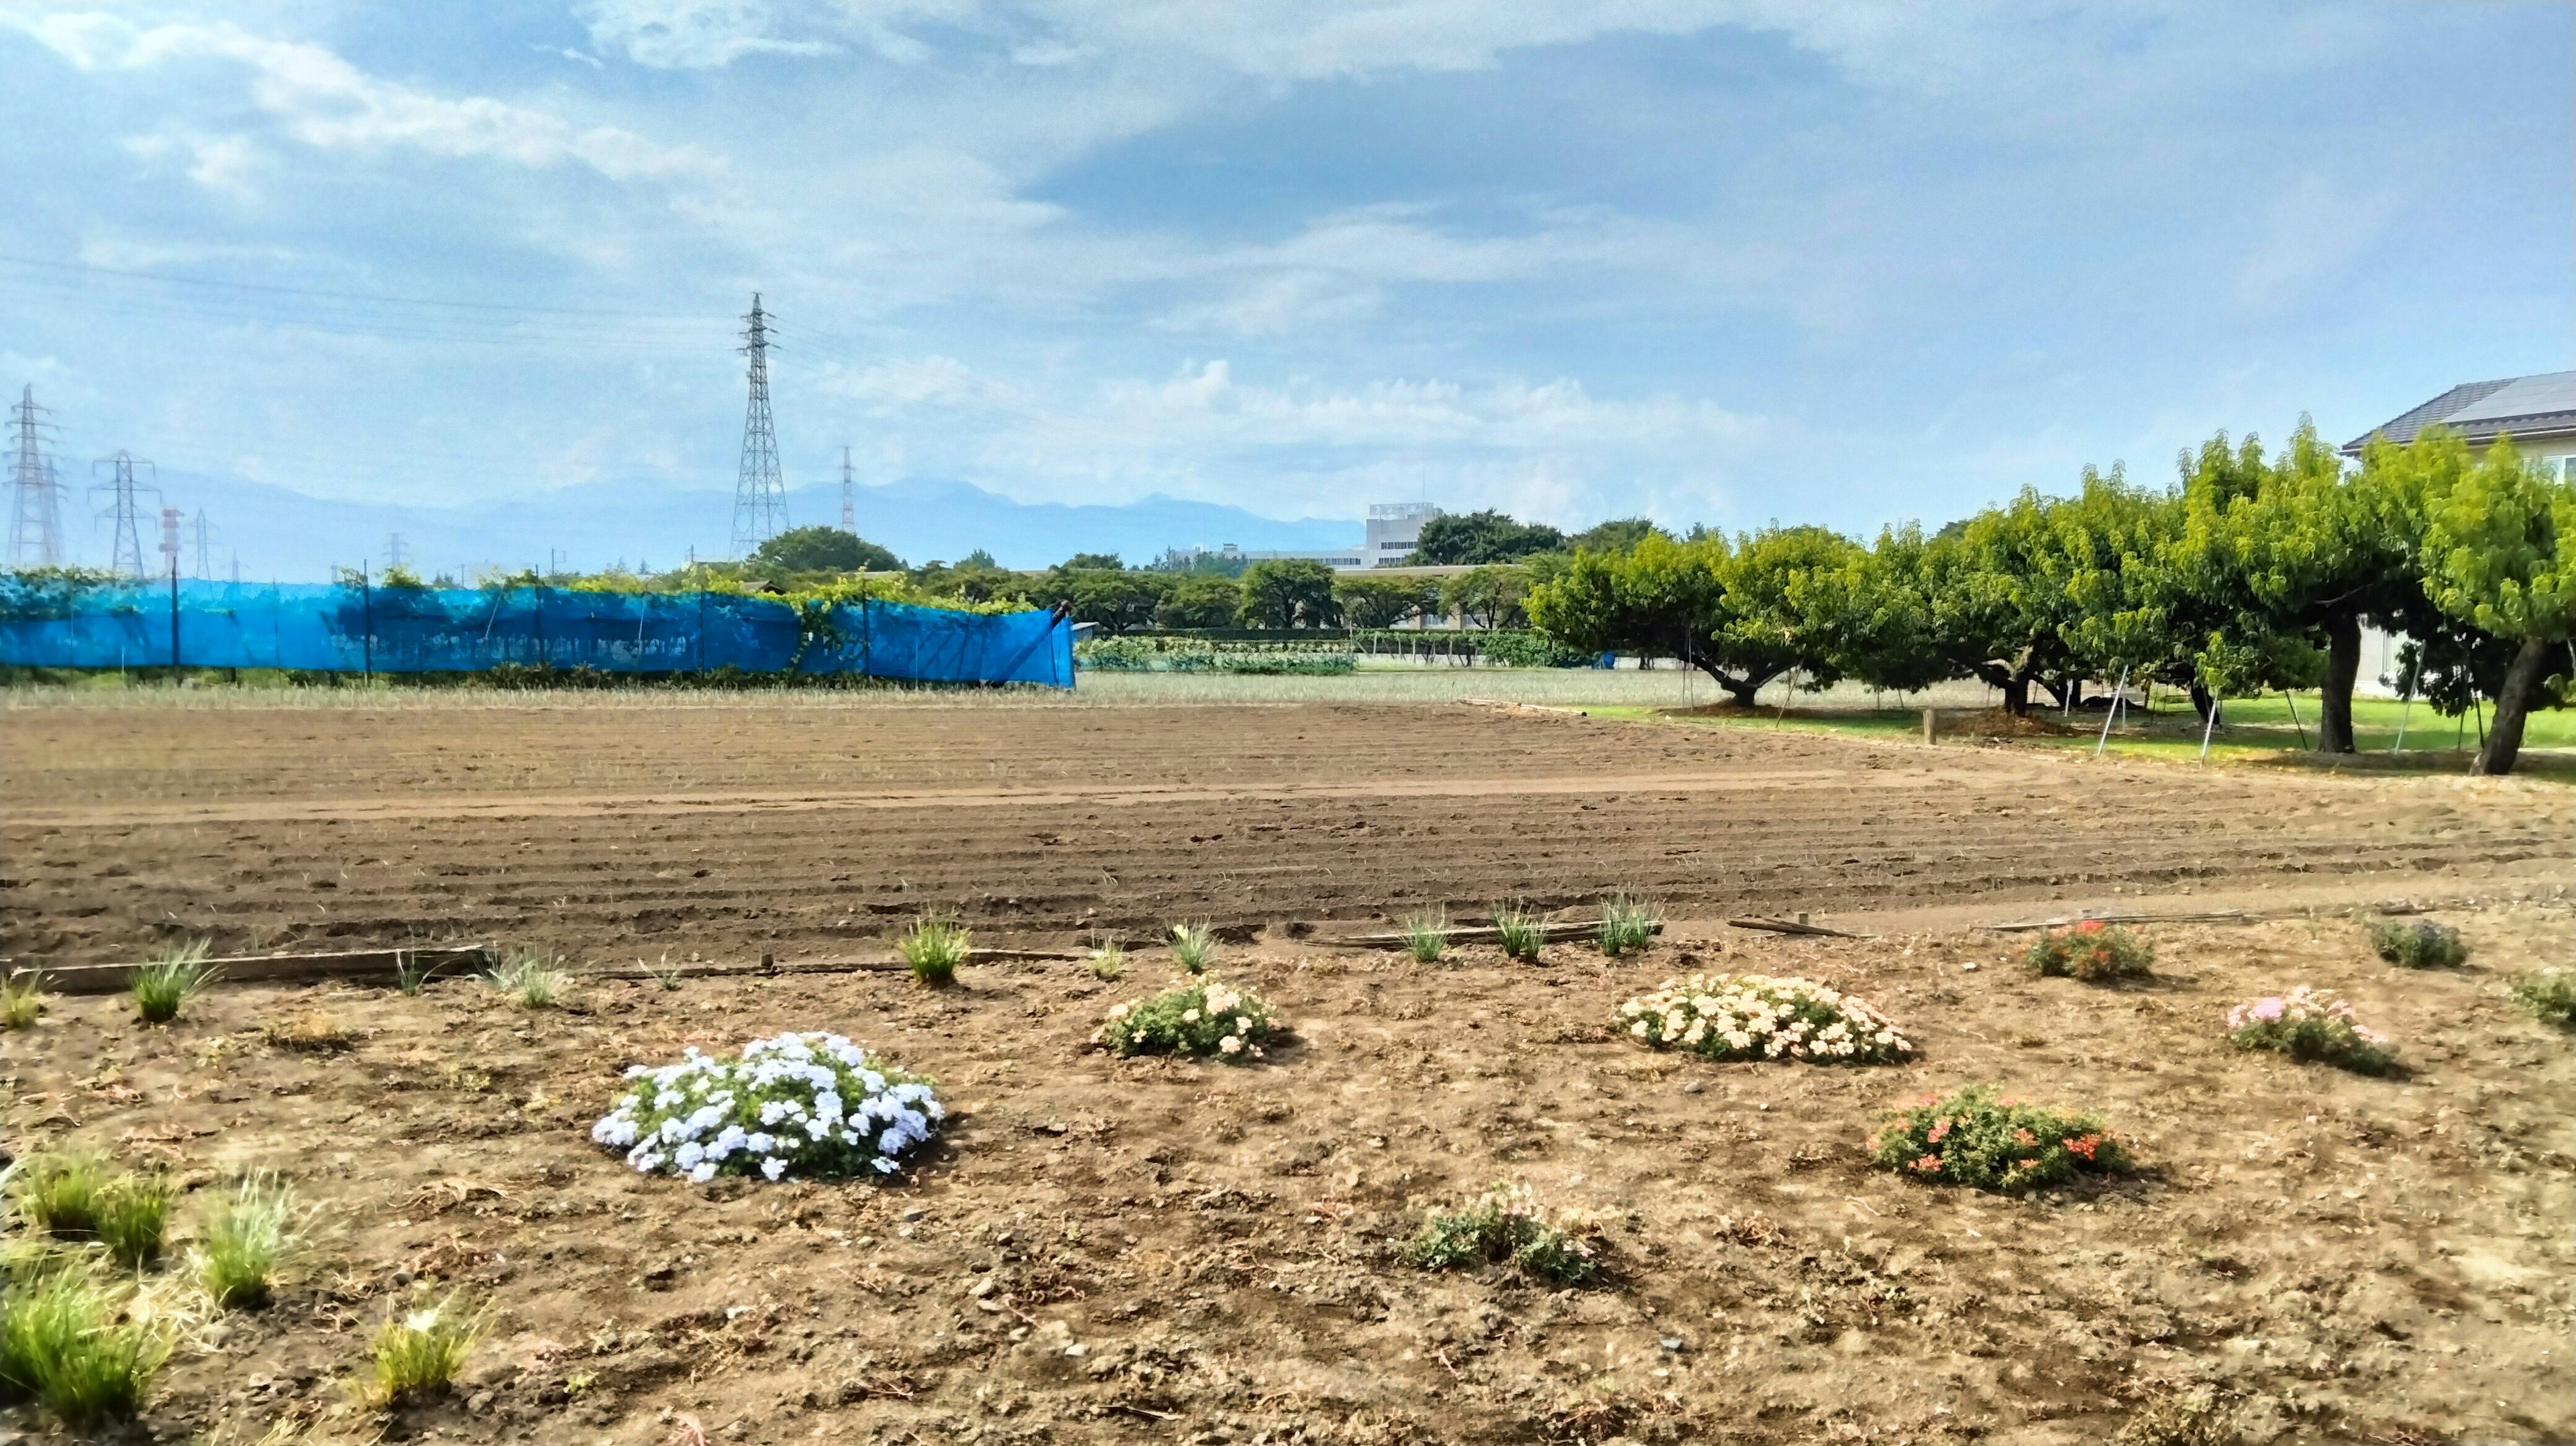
x=2251 y=573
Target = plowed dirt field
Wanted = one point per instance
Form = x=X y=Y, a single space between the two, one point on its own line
x=1146 y=1250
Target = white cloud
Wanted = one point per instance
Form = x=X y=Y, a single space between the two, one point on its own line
x=323 y=101
x=2314 y=231
x=689 y=34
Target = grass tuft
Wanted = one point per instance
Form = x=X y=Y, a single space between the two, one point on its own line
x=1627 y=924
x=134 y=1218
x=1193 y=947
x=421 y=1353
x=532 y=974
x=2422 y=944
x=67 y=1340
x=245 y=1243
x=1426 y=936
x=665 y=974
x=410 y=974
x=1522 y=933
x=164 y=986
x=22 y=998
x=1108 y=961
x=2550 y=994
x=934 y=949
x=60 y=1194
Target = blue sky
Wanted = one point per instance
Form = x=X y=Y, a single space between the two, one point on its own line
x=1724 y=261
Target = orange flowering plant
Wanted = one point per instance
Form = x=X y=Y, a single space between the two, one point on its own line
x=2092 y=951
x=1971 y=1137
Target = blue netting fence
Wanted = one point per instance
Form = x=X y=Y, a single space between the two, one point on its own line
x=324 y=627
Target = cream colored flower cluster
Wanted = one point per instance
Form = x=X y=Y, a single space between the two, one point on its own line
x=1758 y=1016
x=1204 y=1017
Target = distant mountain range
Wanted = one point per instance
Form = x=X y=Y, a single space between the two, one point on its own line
x=282 y=535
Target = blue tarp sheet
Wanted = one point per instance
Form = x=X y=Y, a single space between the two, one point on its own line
x=325 y=627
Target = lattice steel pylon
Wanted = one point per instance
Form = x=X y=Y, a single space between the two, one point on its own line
x=759 y=496
x=125 y=549
x=203 y=534
x=35 y=494
x=849 y=496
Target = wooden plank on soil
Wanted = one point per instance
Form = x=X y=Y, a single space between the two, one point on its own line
x=2215 y=916
x=1799 y=927
x=1554 y=932
x=372 y=966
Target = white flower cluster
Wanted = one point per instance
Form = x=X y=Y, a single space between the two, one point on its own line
x=1205 y=1018
x=811 y=1105
x=1757 y=1016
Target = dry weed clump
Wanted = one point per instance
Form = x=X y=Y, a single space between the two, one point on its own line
x=1506 y=1225
x=1758 y=1016
x=2422 y=944
x=2310 y=1025
x=534 y=975
x=1970 y=1137
x=1203 y=1018
x=2197 y=1417
x=2092 y=952
x=308 y=1031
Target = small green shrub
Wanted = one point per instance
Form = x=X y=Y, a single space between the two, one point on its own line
x=1108 y=961
x=1202 y=1018
x=1627 y=924
x=134 y=1218
x=2422 y=944
x=1426 y=936
x=1521 y=932
x=1758 y=1016
x=2091 y=951
x=1972 y=1138
x=71 y=1342
x=934 y=948
x=22 y=998
x=1506 y=1225
x=2310 y=1025
x=164 y=986
x=2550 y=993
x=531 y=974
x=60 y=1194
x=421 y=1353
x=247 y=1239
x=1193 y=947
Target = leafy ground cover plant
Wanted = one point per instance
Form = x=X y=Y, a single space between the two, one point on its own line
x=1521 y=932
x=933 y=949
x=1970 y=1137
x=1426 y=936
x=1203 y=1017
x=1759 y=1016
x=532 y=975
x=814 y=1106
x=2421 y=944
x=1627 y=924
x=2090 y=951
x=249 y=1236
x=22 y=998
x=1507 y=1225
x=1193 y=947
x=2310 y=1025
x=164 y=986
x=421 y=1353
x=75 y=1344
x=2549 y=993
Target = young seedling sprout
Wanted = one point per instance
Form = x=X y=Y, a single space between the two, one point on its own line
x=1193 y=947
x=934 y=949
x=1426 y=936
x=164 y=986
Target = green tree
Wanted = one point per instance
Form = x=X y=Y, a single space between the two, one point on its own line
x=823 y=549
x=2494 y=548
x=1117 y=601
x=1473 y=538
x=1091 y=561
x=1617 y=535
x=1380 y=602
x=1492 y=596
x=1744 y=612
x=1288 y=593
x=1200 y=600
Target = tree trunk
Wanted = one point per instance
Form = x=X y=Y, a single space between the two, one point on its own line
x=2513 y=704
x=2343 y=665
x=2201 y=701
x=1742 y=689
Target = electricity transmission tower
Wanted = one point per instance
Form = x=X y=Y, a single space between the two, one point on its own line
x=203 y=531
x=125 y=551
x=395 y=555
x=849 y=497
x=35 y=513
x=759 y=497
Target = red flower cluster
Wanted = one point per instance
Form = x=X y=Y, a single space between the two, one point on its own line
x=2085 y=1145
x=1929 y=1164
x=1940 y=1127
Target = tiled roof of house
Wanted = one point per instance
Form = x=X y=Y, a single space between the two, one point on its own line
x=2543 y=405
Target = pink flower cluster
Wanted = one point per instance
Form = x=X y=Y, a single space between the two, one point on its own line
x=2301 y=1005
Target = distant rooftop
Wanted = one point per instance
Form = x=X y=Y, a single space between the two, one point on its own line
x=2539 y=406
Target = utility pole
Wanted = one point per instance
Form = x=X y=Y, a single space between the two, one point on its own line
x=759 y=497
x=849 y=497
x=125 y=549
x=35 y=513
x=170 y=541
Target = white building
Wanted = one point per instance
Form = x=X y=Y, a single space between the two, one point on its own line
x=1393 y=530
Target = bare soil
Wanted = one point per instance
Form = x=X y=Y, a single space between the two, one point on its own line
x=1153 y=1250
